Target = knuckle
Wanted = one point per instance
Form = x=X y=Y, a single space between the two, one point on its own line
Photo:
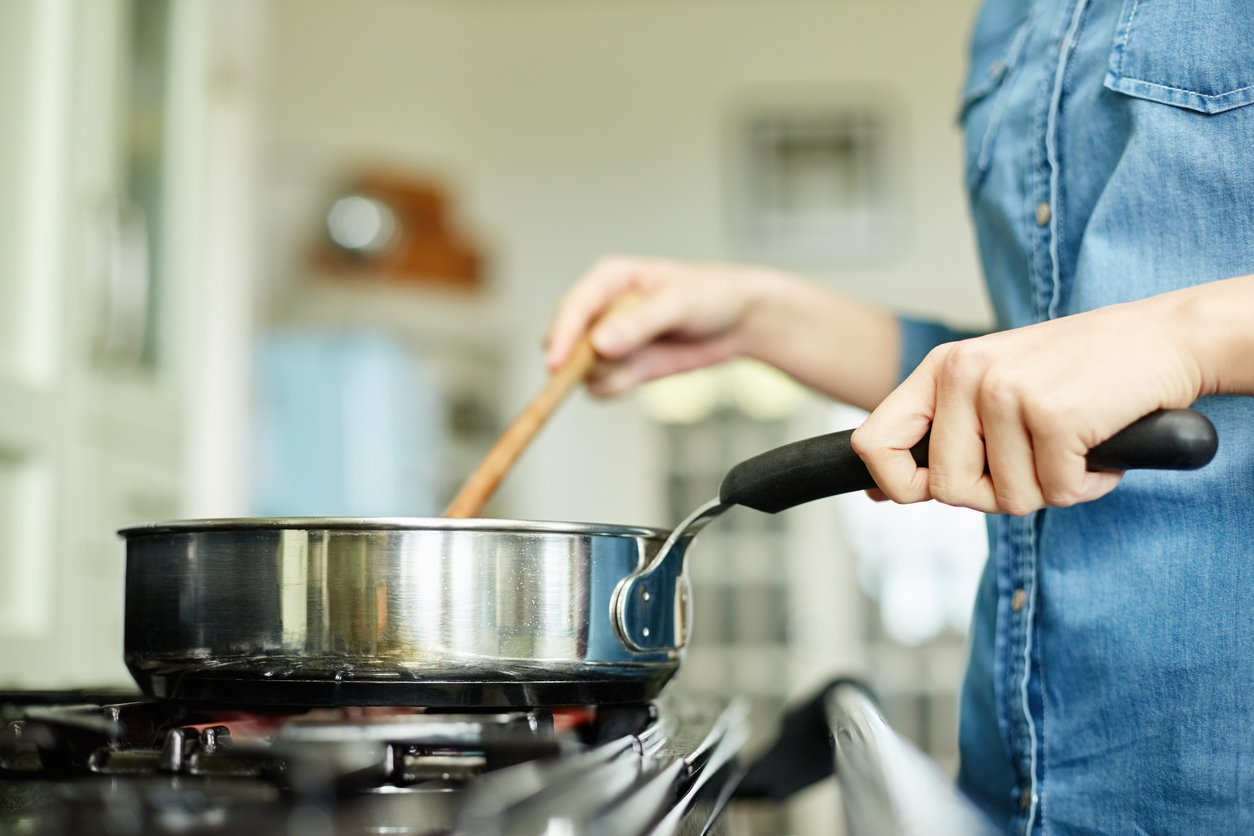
x=937 y=355
x=1015 y=504
x=1049 y=416
x=1061 y=496
x=617 y=260
x=943 y=488
x=964 y=362
x=609 y=265
x=899 y=496
x=1001 y=392
x=863 y=442
x=996 y=401
x=657 y=315
x=616 y=270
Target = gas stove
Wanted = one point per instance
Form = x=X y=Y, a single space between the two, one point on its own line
x=83 y=762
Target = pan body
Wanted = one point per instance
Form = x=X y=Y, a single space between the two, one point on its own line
x=314 y=611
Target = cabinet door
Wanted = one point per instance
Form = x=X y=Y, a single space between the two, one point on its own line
x=35 y=413
x=89 y=425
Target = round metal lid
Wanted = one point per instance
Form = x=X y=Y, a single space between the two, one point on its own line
x=389 y=524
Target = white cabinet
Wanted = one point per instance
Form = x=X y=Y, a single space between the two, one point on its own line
x=107 y=119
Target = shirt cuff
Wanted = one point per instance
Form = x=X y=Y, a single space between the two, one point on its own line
x=918 y=337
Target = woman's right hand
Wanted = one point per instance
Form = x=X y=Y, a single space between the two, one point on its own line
x=694 y=315
x=688 y=316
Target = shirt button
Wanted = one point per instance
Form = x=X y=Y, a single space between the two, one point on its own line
x=1018 y=600
x=1042 y=214
x=1025 y=799
x=994 y=70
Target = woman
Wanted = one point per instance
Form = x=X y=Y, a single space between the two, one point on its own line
x=1111 y=682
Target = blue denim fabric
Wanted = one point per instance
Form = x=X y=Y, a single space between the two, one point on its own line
x=1119 y=697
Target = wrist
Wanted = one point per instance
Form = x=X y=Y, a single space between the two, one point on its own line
x=845 y=349
x=770 y=310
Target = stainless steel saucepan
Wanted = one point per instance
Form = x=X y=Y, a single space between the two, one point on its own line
x=440 y=612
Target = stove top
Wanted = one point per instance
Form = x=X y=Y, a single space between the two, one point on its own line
x=84 y=762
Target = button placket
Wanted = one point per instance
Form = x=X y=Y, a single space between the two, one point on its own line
x=1021 y=590
x=1042 y=221
x=1052 y=198
x=1022 y=576
x=1043 y=192
x=1038 y=207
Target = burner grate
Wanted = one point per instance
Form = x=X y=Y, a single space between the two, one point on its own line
x=88 y=763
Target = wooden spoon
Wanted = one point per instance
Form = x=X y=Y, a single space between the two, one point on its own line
x=478 y=489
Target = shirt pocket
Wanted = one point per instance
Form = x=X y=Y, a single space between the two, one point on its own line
x=994 y=60
x=1195 y=54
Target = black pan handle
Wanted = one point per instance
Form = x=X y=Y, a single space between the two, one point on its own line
x=1169 y=439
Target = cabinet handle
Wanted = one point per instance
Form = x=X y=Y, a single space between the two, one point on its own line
x=118 y=271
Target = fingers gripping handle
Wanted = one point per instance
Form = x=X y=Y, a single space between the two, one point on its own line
x=1169 y=439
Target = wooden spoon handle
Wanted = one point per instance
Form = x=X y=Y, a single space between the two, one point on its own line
x=478 y=489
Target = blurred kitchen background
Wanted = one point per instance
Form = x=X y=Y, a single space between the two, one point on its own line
x=287 y=257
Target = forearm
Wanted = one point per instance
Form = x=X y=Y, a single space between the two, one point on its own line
x=843 y=348
x=1216 y=326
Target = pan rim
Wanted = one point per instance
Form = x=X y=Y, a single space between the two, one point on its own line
x=368 y=524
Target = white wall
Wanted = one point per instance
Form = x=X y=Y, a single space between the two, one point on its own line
x=574 y=128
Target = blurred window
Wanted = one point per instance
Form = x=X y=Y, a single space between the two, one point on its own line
x=812 y=182
x=345 y=425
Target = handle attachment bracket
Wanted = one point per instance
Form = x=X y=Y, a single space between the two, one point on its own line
x=651 y=608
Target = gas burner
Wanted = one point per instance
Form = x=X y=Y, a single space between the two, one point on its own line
x=108 y=763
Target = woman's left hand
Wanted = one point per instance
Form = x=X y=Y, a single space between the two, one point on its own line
x=1028 y=405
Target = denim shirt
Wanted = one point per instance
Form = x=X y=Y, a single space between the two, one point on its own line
x=1110 y=157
